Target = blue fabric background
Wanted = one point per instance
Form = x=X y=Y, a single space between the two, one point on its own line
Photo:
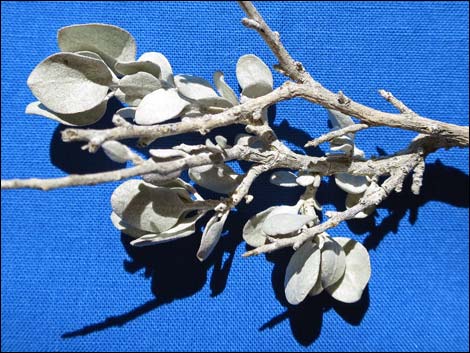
x=70 y=281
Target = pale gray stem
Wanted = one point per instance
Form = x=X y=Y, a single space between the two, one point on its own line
x=374 y=198
x=402 y=108
x=337 y=133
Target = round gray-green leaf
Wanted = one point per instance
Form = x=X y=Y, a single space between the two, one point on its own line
x=218 y=178
x=317 y=288
x=350 y=287
x=88 y=117
x=68 y=83
x=185 y=227
x=285 y=223
x=193 y=87
x=302 y=272
x=254 y=76
x=333 y=262
x=133 y=67
x=352 y=184
x=211 y=235
x=146 y=207
x=217 y=104
x=252 y=231
x=166 y=72
x=110 y=42
x=284 y=178
x=159 y=106
x=223 y=88
x=125 y=228
x=116 y=151
x=135 y=87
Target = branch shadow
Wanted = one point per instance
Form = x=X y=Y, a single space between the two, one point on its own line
x=454 y=191
x=306 y=319
x=175 y=272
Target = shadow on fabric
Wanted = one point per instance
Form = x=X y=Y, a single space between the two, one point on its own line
x=174 y=270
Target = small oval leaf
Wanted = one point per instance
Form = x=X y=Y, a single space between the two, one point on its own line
x=285 y=223
x=211 y=235
x=167 y=154
x=339 y=120
x=68 y=83
x=137 y=86
x=356 y=275
x=218 y=178
x=117 y=151
x=254 y=76
x=159 y=106
x=252 y=231
x=110 y=42
x=305 y=180
x=223 y=88
x=88 y=117
x=352 y=184
x=333 y=262
x=302 y=272
x=133 y=67
x=193 y=87
x=185 y=227
x=166 y=72
x=146 y=207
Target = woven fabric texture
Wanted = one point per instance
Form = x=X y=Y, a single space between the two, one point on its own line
x=70 y=280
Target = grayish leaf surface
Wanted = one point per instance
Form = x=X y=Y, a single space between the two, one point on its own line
x=117 y=151
x=305 y=180
x=302 y=272
x=352 y=184
x=88 y=117
x=166 y=72
x=339 y=120
x=333 y=262
x=193 y=87
x=68 y=83
x=254 y=76
x=219 y=178
x=150 y=64
x=224 y=89
x=285 y=223
x=147 y=207
x=159 y=106
x=356 y=275
x=135 y=87
x=211 y=235
x=110 y=42
x=167 y=154
x=185 y=227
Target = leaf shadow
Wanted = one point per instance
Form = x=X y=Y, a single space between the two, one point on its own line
x=70 y=158
x=175 y=272
x=306 y=319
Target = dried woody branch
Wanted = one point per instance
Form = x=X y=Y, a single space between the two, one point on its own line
x=433 y=135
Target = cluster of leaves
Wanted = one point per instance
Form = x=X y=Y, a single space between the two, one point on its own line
x=98 y=62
